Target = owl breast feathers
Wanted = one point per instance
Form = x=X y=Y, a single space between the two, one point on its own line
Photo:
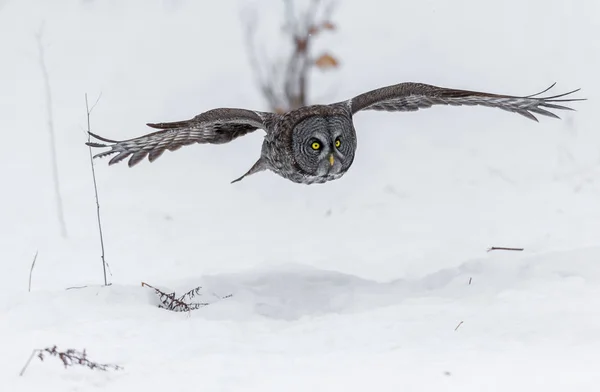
x=314 y=144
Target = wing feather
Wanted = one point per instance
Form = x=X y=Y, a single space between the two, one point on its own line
x=414 y=96
x=215 y=126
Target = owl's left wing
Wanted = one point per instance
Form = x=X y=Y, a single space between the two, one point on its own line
x=215 y=126
x=414 y=96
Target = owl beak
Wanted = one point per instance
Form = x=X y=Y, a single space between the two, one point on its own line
x=331 y=160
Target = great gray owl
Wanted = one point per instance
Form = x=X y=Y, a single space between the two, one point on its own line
x=313 y=144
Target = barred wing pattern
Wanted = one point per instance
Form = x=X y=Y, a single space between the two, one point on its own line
x=414 y=96
x=215 y=126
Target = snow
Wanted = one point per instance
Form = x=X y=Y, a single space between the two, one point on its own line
x=359 y=283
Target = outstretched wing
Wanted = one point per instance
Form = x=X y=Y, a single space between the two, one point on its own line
x=215 y=126
x=414 y=96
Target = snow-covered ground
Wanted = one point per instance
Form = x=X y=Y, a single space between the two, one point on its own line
x=359 y=283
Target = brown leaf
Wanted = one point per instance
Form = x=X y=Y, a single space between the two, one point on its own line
x=328 y=25
x=326 y=61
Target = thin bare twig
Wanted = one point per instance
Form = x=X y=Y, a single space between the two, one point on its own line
x=69 y=357
x=28 y=362
x=75 y=287
x=459 y=324
x=89 y=112
x=31 y=270
x=50 y=123
x=504 y=248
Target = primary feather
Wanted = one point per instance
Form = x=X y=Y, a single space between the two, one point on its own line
x=414 y=96
x=216 y=126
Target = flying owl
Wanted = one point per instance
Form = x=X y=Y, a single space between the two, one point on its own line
x=313 y=144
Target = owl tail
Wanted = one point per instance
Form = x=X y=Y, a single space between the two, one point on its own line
x=259 y=166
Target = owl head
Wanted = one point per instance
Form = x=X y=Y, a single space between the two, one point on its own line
x=324 y=146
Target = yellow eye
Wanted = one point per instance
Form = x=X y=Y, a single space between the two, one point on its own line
x=316 y=145
x=337 y=143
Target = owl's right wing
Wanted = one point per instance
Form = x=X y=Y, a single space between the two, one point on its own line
x=215 y=126
x=410 y=96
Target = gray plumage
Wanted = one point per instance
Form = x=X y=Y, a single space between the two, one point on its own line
x=313 y=144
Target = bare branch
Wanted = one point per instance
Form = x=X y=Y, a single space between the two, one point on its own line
x=169 y=301
x=76 y=287
x=504 y=248
x=285 y=86
x=50 y=123
x=69 y=357
x=93 y=106
x=28 y=362
x=183 y=303
x=31 y=270
x=89 y=112
x=266 y=82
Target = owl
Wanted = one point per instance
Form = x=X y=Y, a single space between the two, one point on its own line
x=313 y=144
